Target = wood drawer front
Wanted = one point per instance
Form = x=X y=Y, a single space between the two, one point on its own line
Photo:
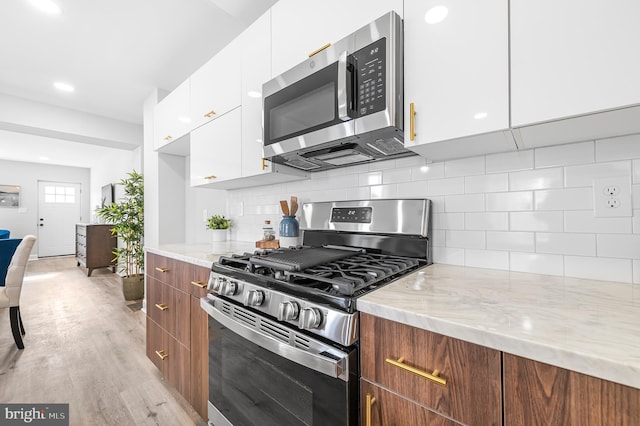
x=170 y=308
x=538 y=393
x=156 y=341
x=199 y=278
x=472 y=393
x=199 y=358
x=390 y=409
x=170 y=271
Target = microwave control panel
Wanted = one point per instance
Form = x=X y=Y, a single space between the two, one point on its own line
x=370 y=64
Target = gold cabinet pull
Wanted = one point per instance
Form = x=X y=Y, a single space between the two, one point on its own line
x=210 y=177
x=429 y=376
x=199 y=284
x=369 y=404
x=315 y=52
x=264 y=163
x=168 y=138
x=162 y=269
x=412 y=121
x=210 y=114
x=162 y=306
x=162 y=354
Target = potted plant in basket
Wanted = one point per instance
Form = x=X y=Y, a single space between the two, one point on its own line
x=219 y=225
x=127 y=217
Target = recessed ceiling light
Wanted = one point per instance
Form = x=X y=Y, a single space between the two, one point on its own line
x=46 y=6
x=254 y=94
x=63 y=86
x=480 y=115
x=436 y=14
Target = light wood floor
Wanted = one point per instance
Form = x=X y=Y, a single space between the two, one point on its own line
x=85 y=346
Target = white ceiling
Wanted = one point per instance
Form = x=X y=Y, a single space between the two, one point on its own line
x=114 y=52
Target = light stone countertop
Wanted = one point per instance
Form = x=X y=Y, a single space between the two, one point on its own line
x=201 y=254
x=592 y=327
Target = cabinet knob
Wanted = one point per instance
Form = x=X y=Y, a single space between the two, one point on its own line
x=162 y=306
x=209 y=114
x=168 y=138
x=210 y=177
x=162 y=269
x=162 y=354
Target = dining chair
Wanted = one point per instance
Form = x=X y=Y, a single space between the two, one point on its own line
x=10 y=293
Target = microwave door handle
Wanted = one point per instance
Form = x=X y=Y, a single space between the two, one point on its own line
x=343 y=107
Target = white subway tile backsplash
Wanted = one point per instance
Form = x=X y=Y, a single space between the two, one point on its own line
x=584 y=175
x=636 y=221
x=370 y=178
x=382 y=165
x=464 y=167
x=437 y=204
x=486 y=183
x=635 y=196
x=509 y=201
x=498 y=221
x=428 y=171
x=564 y=199
x=509 y=162
x=510 y=241
x=450 y=186
x=407 y=162
x=464 y=203
x=636 y=271
x=565 y=243
x=584 y=221
x=412 y=189
x=548 y=264
x=564 y=155
x=438 y=238
x=396 y=175
x=536 y=221
x=487 y=259
x=465 y=239
x=617 y=245
x=450 y=256
x=636 y=171
x=536 y=179
x=344 y=181
x=361 y=193
x=598 y=268
x=620 y=148
x=384 y=191
x=448 y=220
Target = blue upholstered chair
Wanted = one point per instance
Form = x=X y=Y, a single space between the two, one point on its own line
x=10 y=293
x=4 y=234
x=7 y=248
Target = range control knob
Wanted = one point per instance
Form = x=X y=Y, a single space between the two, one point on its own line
x=228 y=288
x=309 y=318
x=288 y=311
x=215 y=283
x=253 y=298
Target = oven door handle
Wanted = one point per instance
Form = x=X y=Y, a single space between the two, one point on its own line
x=328 y=366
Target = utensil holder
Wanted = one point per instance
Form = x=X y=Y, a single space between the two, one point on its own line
x=289 y=227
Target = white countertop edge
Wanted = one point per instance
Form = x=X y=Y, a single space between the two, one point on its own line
x=583 y=363
x=183 y=257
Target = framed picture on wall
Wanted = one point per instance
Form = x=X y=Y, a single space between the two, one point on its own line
x=9 y=196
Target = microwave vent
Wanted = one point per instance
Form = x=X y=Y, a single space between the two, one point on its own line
x=387 y=146
x=301 y=163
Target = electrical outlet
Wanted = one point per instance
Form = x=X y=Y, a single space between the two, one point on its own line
x=612 y=197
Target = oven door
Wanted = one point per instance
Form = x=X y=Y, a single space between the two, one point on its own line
x=263 y=372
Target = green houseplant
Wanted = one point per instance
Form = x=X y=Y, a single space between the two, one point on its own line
x=127 y=217
x=219 y=225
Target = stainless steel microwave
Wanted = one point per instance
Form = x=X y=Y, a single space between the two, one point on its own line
x=343 y=105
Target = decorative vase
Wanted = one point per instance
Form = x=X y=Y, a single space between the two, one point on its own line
x=219 y=235
x=133 y=287
x=289 y=226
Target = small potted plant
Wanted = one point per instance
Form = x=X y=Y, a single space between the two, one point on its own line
x=219 y=225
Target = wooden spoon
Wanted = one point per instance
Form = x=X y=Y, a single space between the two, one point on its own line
x=294 y=205
x=285 y=207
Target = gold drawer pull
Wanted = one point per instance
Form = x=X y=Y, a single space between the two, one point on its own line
x=162 y=306
x=210 y=177
x=264 y=163
x=433 y=376
x=412 y=121
x=210 y=114
x=162 y=354
x=162 y=269
x=315 y=52
x=168 y=138
x=199 y=284
x=370 y=401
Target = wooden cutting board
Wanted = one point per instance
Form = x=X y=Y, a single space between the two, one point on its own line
x=268 y=244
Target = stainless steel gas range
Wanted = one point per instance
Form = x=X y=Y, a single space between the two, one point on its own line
x=283 y=323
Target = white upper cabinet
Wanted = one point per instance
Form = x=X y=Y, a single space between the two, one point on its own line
x=574 y=67
x=215 y=87
x=216 y=150
x=171 y=117
x=457 y=77
x=301 y=26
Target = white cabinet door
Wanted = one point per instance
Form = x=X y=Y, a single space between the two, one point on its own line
x=301 y=26
x=573 y=57
x=171 y=118
x=215 y=87
x=256 y=69
x=215 y=150
x=457 y=77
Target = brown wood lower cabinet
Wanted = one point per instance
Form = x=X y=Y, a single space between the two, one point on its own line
x=385 y=408
x=177 y=337
x=536 y=393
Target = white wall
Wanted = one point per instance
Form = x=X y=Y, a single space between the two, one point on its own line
x=529 y=211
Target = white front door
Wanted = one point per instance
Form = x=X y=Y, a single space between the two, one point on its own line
x=59 y=209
